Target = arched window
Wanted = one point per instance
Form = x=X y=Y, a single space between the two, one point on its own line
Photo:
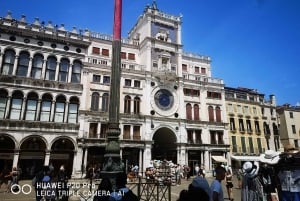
x=8 y=62
x=63 y=70
x=196 y=112
x=136 y=108
x=127 y=103
x=59 y=109
x=31 y=105
x=105 y=102
x=188 y=111
x=46 y=105
x=51 y=68
x=218 y=114
x=23 y=64
x=95 y=101
x=37 y=65
x=73 y=110
x=211 y=113
x=3 y=102
x=76 y=72
x=16 y=105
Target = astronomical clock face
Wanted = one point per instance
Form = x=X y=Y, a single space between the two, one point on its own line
x=164 y=101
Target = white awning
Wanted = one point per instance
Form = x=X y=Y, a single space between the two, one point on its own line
x=220 y=159
x=245 y=158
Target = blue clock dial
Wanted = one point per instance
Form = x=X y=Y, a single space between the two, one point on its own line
x=164 y=99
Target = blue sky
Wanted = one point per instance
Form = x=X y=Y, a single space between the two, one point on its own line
x=252 y=43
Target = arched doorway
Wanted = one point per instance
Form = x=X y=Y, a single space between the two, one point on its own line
x=62 y=153
x=164 y=145
x=7 y=147
x=32 y=156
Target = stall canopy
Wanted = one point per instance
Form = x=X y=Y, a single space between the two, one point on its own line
x=220 y=159
x=245 y=158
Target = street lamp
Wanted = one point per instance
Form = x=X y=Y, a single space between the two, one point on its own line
x=112 y=161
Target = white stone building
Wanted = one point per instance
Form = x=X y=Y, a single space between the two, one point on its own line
x=54 y=96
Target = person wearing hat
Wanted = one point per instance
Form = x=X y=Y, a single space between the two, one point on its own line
x=199 y=188
x=251 y=186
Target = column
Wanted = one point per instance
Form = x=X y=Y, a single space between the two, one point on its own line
x=98 y=130
x=75 y=166
x=1 y=58
x=29 y=67
x=16 y=157
x=131 y=132
x=23 y=109
x=57 y=71
x=38 y=110
x=7 y=107
x=66 y=112
x=70 y=73
x=142 y=168
x=15 y=65
x=47 y=158
x=121 y=152
x=147 y=155
x=44 y=70
x=206 y=160
x=52 y=111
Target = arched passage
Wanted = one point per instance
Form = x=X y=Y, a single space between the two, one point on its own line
x=164 y=145
x=7 y=147
x=32 y=156
x=62 y=153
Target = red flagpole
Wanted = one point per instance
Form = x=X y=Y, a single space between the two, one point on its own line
x=117 y=20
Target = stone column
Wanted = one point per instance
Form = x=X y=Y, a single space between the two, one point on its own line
x=23 y=109
x=29 y=67
x=7 y=107
x=66 y=112
x=47 y=158
x=38 y=110
x=16 y=157
x=15 y=65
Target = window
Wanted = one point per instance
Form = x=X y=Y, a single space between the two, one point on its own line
x=294 y=129
x=243 y=141
x=241 y=125
x=251 y=145
x=154 y=64
x=16 y=105
x=126 y=132
x=127 y=82
x=73 y=110
x=104 y=105
x=96 y=50
x=291 y=115
x=211 y=113
x=123 y=55
x=136 y=104
x=3 y=102
x=123 y=65
x=215 y=95
x=59 y=109
x=37 y=66
x=137 y=84
x=46 y=107
x=246 y=110
x=196 y=112
x=76 y=72
x=234 y=144
x=296 y=143
x=131 y=56
x=239 y=109
x=96 y=78
x=95 y=101
x=127 y=103
x=248 y=124
x=197 y=69
x=220 y=138
x=198 y=136
x=263 y=111
x=63 y=70
x=8 y=62
x=203 y=70
x=106 y=79
x=184 y=67
x=93 y=130
x=136 y=133
x=213 y=137
x=266 y=129
x=190 y=136
x=31 y=107
x=259 y=145
x=105 y=52
x=23 y=64
x=232 y=124
x=241 y=96
x=218 y=114
x=254 y=111
x=103 y=130
x=230 y=108
x=257 y=129
x=189 y=111
x=50 y=68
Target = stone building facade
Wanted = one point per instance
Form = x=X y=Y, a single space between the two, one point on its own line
x=54 y=96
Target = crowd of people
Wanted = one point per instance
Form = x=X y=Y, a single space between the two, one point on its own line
x=9 y=178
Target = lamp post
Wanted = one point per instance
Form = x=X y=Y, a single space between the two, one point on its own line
x=112 y=161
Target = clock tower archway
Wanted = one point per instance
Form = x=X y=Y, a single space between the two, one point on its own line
x=164 y=145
